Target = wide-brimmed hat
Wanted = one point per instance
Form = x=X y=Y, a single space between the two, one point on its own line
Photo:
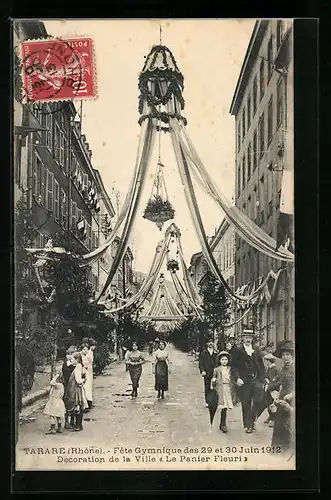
x=270 y=357
x=224 y=353
x=287 y=346
x=71 y=350
x=92 y=342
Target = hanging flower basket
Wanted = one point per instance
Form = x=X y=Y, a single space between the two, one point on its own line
x=172 y=265
x=159 y=211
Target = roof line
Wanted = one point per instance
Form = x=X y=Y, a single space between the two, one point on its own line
x=258 y=31
x=104 y=193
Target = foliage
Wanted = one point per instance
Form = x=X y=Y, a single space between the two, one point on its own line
x=158 y=207
x=129 y=329
x=26 y=285
x=215 y=304
x=43 y=339
x=101 y=358
x=172 y=265
x=27 y=364
x=191 y=335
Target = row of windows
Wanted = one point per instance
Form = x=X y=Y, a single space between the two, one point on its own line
x=46 y=192
x=226 y=258
x=251 y=106
x=260 y=210
x=250 y=265
x=58 y=143
x=257 y=148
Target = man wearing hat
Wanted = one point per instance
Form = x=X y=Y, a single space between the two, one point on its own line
x=208 y=360
x=249 y=375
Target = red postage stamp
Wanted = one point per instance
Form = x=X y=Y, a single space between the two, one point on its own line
x=56 y=70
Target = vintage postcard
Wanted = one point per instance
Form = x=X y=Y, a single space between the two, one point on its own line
x=154 y=244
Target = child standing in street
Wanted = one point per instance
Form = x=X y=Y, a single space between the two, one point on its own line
x=272 y=374
x=224 y=384
x=55 y=408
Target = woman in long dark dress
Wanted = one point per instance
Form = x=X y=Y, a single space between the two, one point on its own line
x=134 y=361
x=283 y=433
x=161 y=365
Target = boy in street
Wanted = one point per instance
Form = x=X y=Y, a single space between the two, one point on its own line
x=272 y=374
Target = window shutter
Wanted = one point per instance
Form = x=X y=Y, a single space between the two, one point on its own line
x=56 y=199
x=64 y=207
x=49 y=190
x=34 y=176
x=73 y=215
x=270 y=188
x=65 y=156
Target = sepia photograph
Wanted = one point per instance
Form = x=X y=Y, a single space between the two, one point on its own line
x=154 y=248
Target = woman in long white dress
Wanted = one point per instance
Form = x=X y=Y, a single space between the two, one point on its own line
x=87 y=364
x=224 y=384
x=89 y=372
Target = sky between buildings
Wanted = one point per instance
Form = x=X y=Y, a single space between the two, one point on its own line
x=210 y=54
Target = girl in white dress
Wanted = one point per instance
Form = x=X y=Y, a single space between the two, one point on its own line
x=55 y=408
x=224 y=384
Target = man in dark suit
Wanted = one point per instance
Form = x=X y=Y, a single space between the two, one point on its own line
x=249 y=372
x=208 y=360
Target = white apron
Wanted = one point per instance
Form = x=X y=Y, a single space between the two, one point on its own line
x=88 y=365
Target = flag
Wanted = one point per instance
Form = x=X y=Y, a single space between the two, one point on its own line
x=285 y=234
x=81 y=225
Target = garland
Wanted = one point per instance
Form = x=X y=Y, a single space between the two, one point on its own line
x=152 y=100
x=163 y=49
x=163 y=116
x=172 y=265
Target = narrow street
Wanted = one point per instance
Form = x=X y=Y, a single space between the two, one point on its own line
x=179 y=421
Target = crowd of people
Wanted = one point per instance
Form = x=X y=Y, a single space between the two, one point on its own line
x=71 y=393
x=258 y=380
x=242 y=373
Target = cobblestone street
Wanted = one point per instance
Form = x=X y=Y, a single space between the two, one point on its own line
x=179 y=421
